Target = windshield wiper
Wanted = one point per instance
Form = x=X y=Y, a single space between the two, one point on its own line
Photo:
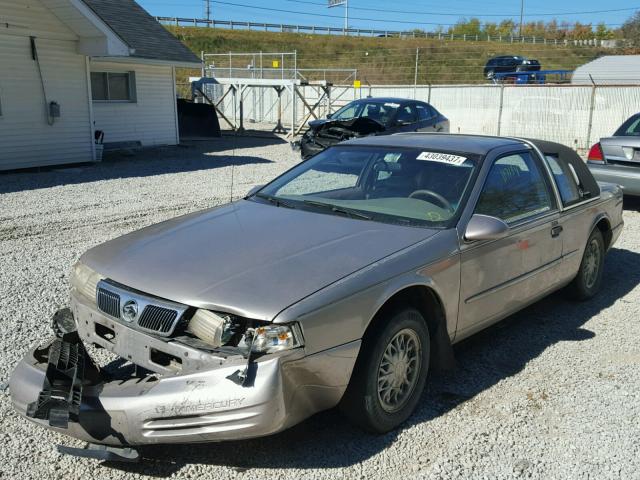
x=334 y=208
x=275 y=200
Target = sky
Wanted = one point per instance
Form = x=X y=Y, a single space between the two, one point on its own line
x=398 y=14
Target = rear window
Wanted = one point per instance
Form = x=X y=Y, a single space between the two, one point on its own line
x=630 y=128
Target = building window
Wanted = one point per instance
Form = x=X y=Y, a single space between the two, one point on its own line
x=113 y=86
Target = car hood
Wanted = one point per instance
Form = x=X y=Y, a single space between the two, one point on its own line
x=320 y=121
x=247 y=258
x=360 y=125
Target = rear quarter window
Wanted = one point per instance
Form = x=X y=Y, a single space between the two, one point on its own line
x=570 y=163
x=566 y=180
x=575 y=183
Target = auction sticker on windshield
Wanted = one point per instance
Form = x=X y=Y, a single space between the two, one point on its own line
x=442 y=158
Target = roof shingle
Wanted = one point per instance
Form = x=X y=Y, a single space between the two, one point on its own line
x=141 y=31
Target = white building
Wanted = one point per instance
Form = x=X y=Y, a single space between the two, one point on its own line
x=70 y=67
x=609 y=70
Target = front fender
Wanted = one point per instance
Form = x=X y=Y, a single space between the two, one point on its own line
x=341 y=312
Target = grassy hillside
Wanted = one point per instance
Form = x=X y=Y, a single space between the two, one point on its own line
x=382 y=60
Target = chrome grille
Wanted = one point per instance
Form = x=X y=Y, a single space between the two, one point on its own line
x=158 y=316
x=157 y=319
x=108 y=302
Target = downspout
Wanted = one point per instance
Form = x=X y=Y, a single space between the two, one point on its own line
x=175 y=105
x=92 y=125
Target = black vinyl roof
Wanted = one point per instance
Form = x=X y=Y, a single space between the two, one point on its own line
x=568 y=155
x=141 y=32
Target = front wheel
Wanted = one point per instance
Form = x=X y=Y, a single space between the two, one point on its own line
x=589 y=277
x=390 y=373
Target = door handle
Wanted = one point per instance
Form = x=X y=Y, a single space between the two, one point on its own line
x=556 y=231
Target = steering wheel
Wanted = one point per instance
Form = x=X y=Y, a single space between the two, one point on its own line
x=428 y=193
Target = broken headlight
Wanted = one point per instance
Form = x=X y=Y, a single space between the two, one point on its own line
x=216 y=329
x=273 y=338
x=85 y=280
x=221 y=329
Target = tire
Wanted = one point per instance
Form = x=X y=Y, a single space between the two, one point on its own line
x=380 y=412
x=589 y=278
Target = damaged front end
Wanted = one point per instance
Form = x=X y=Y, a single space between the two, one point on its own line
x=323 y=135
x=201 y=377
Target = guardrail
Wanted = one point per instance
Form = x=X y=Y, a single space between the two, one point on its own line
x=314 y=29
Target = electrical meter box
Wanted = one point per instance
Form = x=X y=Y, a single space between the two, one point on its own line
x=54 y=109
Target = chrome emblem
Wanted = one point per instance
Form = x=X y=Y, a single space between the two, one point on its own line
x=130 y=310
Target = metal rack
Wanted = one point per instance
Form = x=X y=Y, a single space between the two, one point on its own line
x=238 y=88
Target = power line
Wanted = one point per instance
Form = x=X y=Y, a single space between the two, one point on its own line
x=376 y=20
x=466 y=14
x=279 y=10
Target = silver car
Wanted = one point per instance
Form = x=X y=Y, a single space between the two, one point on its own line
x=342 y=282
x=616 y=159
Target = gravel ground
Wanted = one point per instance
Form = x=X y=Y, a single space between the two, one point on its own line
x=552 y=392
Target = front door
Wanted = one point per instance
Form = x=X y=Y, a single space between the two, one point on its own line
x=498 y=277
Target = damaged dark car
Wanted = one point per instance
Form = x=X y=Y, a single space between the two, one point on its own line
x=371 y=116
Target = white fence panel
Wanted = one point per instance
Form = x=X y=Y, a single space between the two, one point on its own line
x=559 y=114
x=612 y=106
x=469 y=109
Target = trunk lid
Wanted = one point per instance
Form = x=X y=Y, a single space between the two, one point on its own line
x=621 y=149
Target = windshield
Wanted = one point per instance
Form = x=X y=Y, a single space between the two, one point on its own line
x=381 y=112
x=388 y=184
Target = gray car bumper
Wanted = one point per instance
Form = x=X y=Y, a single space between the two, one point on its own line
x=627 y=177
x=203 y=406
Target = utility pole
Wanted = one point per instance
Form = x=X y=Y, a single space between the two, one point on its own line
x=521 y=16
x=346 y=15
x=415 y=75
x=208 y=12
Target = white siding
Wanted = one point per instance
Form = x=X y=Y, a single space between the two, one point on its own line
x=31 y=17
x=25 y=137
x=151 y=119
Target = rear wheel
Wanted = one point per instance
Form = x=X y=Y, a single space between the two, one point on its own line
x=390 y=373
x=589 y=278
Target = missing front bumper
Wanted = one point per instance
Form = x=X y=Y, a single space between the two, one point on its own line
x=68 y=369
x=202 y=406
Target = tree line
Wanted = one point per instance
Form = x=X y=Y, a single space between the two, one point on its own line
x=628 y=33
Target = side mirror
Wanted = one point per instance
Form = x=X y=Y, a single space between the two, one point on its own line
x=484 y=227
x=329 y=115
x=254 y=190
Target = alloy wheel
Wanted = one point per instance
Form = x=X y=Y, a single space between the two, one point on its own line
x=592 y=263
x=399 y=370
